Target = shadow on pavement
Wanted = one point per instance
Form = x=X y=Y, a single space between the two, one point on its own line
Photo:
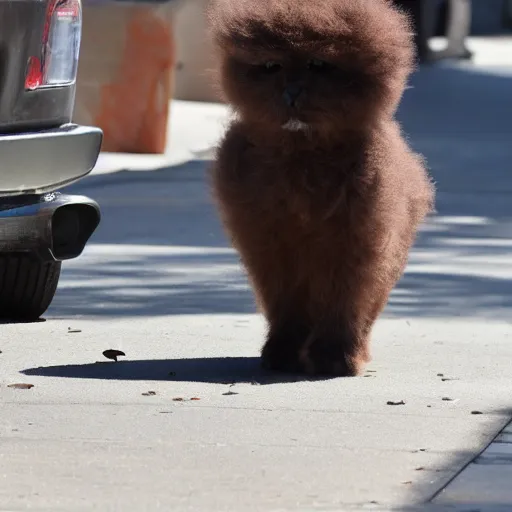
x=125 y=281
x=160 y=249
x=217 y=370
x=492 y=488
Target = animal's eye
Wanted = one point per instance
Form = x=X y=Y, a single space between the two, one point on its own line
x=272 y=67
x=318 y=65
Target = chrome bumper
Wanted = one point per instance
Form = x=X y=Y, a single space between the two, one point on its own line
x=40 y=162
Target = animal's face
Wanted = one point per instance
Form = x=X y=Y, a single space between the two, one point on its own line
x=323 y=64
x=299 y=90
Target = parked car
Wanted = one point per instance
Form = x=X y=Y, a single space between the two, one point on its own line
x=41 y=151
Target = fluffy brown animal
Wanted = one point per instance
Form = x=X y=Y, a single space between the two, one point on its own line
x=316 y=186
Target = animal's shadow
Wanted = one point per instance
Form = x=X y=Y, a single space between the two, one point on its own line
x=219 y=370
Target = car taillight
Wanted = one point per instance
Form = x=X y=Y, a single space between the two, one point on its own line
x=57 y=65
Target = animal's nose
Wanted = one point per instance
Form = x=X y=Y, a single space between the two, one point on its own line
x=291 y=94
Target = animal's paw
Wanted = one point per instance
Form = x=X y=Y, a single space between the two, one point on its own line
x=319 y=356
x=328 y=355
x=281 y=354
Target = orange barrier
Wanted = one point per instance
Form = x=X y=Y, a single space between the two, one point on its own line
x=126 y=75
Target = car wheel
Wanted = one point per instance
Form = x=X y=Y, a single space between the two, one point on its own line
x=27 y=286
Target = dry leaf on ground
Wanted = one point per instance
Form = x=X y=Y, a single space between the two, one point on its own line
x=21 y=385
x=113 y=354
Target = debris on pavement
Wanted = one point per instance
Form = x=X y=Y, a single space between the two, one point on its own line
x=113 y=354
x=72 y=331
x=476 y=412
x=195 y=398
x=228 y=393
x=149 y=393
x=21 y=385
x=177 y=399
x=401 y=402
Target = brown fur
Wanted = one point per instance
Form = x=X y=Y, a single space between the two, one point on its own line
x=323 y=217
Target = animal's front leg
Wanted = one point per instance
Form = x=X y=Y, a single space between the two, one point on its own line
x=285 y=339
x=288 y=330
x=336 y=348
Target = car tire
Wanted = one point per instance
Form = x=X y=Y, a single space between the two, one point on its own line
x=27 y=286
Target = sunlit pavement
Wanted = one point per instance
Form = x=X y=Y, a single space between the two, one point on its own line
x=187 y=421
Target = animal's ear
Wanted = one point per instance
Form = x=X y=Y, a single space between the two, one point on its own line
x=211 y=11
x=216 y=11
x=218 y=18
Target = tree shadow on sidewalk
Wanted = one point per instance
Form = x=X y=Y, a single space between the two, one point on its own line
x=460 y=490
x=160 y=249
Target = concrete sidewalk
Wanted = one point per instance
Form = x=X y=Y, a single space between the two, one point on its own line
x=160 y=283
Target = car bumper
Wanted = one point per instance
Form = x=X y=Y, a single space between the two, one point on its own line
x=41 y=162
